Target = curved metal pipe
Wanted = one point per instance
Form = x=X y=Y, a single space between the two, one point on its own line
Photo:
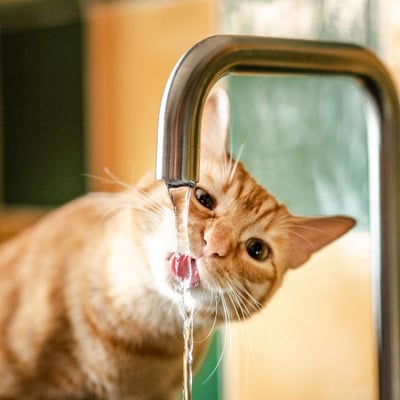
x=178 y=146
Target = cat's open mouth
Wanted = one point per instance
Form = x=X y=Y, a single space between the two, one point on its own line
x=184 y=268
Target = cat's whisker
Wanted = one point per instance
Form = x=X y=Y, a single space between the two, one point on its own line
x=291 y=228
x=116 y=180
x=224 y=308
x=287 y=230
x=249 y=356
x=247 y=296
x=249 y=348
x=102 y=179
x=219 y=297
x=148 y=203
x=112 y=212
x=218 y=363
x=235 y=304
x=212 y=307
x=111 y=179
x=248 y=345
x=227 y=333
x=241 y=302
x=245 y=301
x=124 y=204
x=227 y=318
x=239 y=289
x=214 y=323
x=244 y=304
x=252 y=302
x=233 y=167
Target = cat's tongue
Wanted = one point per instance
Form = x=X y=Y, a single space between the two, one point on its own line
x=183 y=267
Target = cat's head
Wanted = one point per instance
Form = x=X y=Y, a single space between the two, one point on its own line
x=242 y=240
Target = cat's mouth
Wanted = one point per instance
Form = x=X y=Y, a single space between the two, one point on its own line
x=184 y=268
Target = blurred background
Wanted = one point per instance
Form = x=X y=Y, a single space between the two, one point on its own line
x=80 y=89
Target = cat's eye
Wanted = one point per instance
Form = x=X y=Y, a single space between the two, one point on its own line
x=257 y=249
x=204 y=198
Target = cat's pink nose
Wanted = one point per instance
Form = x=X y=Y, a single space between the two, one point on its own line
x=217 y=240
x=215 y=248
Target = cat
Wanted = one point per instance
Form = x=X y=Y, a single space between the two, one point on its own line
x=88 y=301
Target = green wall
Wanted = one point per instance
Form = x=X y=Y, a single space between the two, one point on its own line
x=207 y=384
x=43 y=122
x=305 y=140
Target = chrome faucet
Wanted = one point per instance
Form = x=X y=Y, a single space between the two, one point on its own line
x=178 y=153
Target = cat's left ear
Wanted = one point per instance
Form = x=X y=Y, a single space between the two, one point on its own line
x=307 y=235
x=215 y=124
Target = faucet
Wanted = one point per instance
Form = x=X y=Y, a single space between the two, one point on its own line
x=178 y=147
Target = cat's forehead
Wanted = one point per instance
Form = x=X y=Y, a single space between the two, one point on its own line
x=235 y=188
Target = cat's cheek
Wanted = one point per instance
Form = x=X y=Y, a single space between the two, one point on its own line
x=159 y=272
x=261 y=292
x=209 y=277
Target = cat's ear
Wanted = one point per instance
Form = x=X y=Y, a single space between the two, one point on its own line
x=215 y=124
x=308 y=235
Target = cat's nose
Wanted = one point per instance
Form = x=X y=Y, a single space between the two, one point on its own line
x=215 y=245
x=214 y=250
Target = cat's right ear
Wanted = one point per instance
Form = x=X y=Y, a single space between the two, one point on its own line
x=309 y=234
x=215 y=124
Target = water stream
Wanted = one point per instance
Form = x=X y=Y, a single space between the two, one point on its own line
x=183 y=283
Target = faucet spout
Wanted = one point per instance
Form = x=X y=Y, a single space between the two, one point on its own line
x=179 y=145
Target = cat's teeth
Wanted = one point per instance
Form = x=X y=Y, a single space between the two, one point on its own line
x=184 y=267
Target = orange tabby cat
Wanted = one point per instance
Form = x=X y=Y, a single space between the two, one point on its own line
x=89 y=308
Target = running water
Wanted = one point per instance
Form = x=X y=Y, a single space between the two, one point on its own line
x=183 y=272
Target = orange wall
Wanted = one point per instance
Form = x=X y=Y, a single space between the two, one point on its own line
x=132 y=48
x=315 y=340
